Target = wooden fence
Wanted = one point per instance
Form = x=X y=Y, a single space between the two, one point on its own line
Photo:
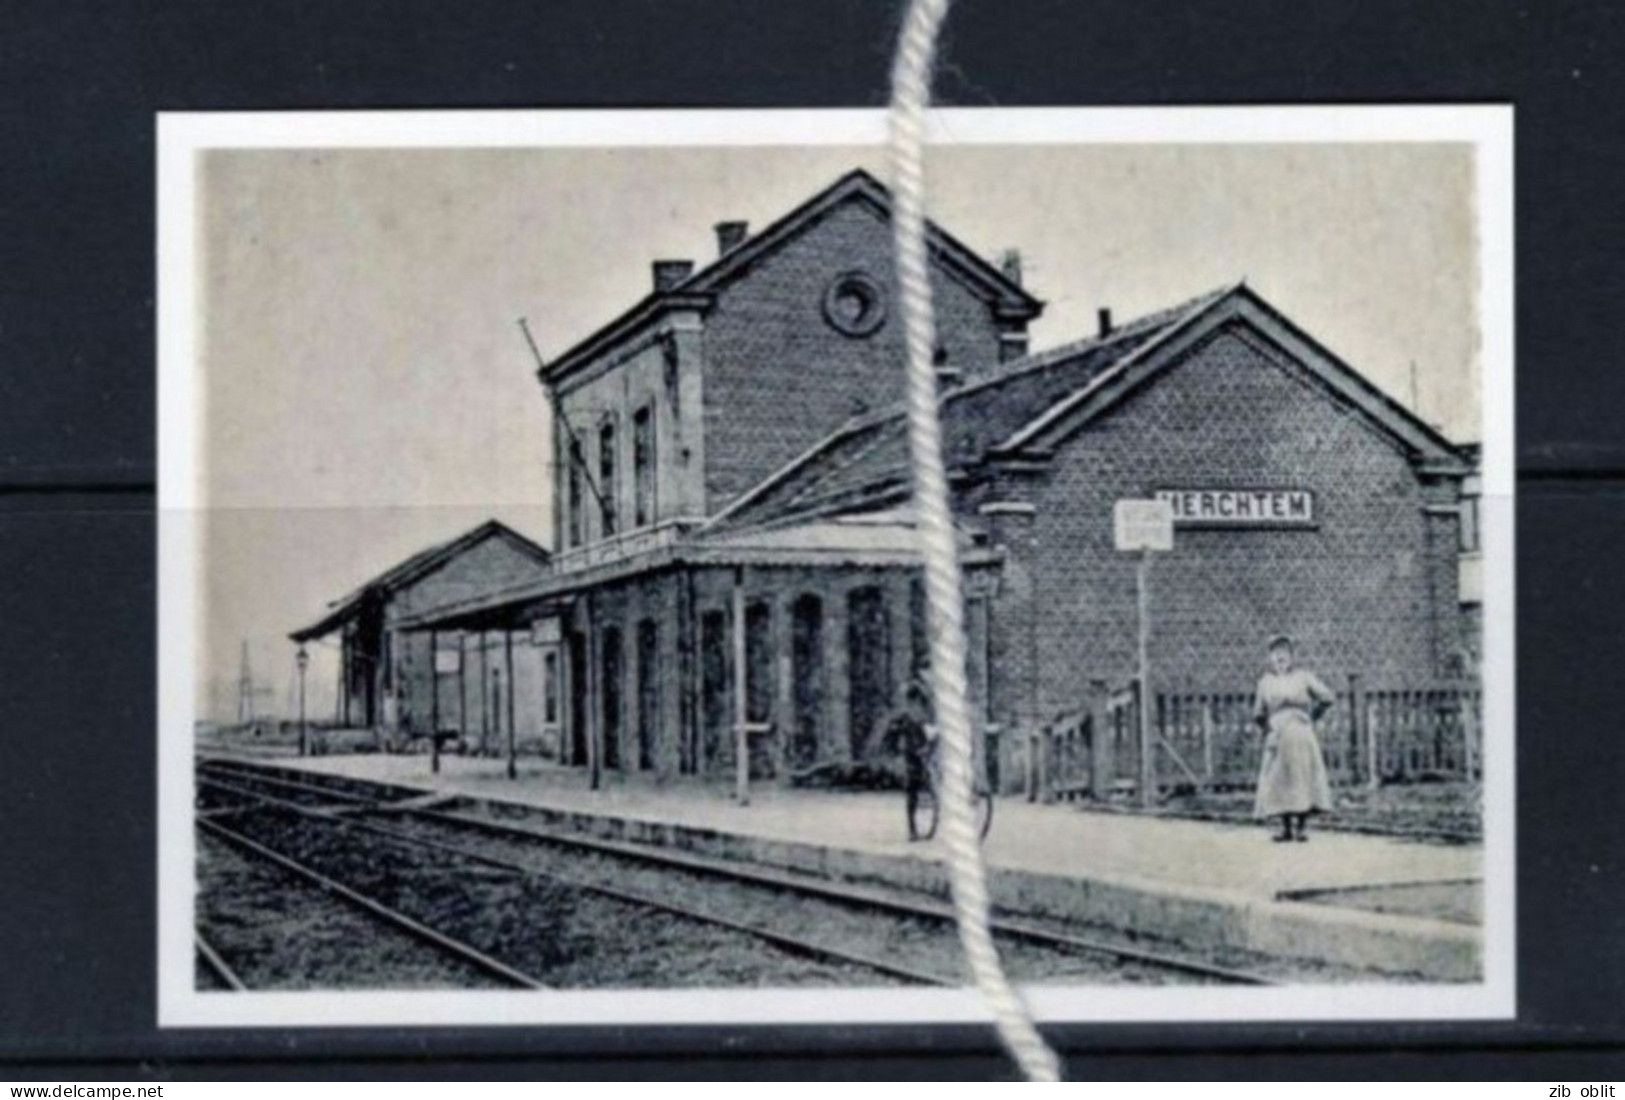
x=1206 y=739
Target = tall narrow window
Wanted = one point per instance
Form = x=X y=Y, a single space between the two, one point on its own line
x=716 y=690
x=919 y=628
x=761 y=685
x=576 y=461
x=550 y=687
x=643 y=467
x=606 y=477
x=648 y=692
x=613 y=688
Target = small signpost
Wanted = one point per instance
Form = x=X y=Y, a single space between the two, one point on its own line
x=1146 y=526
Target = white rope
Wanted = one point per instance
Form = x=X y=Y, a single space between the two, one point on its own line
x=909 y=98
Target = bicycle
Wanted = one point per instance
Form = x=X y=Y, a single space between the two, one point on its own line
x=924 y=810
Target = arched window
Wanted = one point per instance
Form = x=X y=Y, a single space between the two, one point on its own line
x=648 y=692
x=868 y=638
x=614 y=686
x=576 y=461
x=643 y=467
x=807 y=676
x=760 y=681
x=606 y=478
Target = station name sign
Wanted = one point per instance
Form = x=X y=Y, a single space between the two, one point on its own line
x=1240 y=507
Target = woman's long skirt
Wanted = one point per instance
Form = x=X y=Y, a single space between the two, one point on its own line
x=1292 y=776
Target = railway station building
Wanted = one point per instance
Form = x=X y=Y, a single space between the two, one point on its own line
x=477 y=686
x=734 y=555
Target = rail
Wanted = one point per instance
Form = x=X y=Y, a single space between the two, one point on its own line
x=393 y=917
x=795 y=944
x=848 y=893
x=217 y=965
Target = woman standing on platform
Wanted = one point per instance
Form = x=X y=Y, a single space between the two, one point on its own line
x=1292 y=781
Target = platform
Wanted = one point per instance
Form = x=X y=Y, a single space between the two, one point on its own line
x=1200 y=882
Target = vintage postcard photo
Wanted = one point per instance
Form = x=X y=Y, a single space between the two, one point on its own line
x=543 y=637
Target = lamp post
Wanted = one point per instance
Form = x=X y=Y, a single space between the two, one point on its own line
x=302 y=659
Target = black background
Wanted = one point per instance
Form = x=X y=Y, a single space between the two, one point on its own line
x=79 y=86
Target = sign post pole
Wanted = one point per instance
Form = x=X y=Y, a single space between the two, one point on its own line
x=1144 y=526
x=1148 y=769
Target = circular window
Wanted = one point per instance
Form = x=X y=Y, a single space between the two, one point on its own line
x=855 y=304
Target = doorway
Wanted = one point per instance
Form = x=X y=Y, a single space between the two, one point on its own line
x=716 y=691
x=614 y=686
x=577 y=754
x=807 y=676
x=648 y=691
x=868 y=639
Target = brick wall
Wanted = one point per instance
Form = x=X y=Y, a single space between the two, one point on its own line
x=477 y=571
x=491 y=564
x=778 y=377
x=1371 y=589
x=657 y=370
x=771 y=597
x=623 y=607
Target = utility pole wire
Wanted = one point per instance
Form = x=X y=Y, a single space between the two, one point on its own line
x=577 y=452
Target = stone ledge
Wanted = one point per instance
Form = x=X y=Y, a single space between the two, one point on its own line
x=1390 y=943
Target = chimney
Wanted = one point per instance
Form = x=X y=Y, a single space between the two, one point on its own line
x=1010 y=264
x=1105 y=316
x=668 y=273
x=730 y=235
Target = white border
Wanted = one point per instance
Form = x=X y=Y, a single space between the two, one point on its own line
x=182 y=136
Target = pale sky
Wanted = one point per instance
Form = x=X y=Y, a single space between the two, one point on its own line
x=367 y=391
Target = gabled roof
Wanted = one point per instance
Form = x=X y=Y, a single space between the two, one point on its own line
x=1023 y=409
x=1422 y=442
x=699 y=289
x=413 y=569
x=867 y=459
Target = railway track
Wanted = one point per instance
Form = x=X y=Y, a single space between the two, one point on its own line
x=264 y=925
x=215 y=965
x=383 y=913
x=1043 y=951
x=314 y=813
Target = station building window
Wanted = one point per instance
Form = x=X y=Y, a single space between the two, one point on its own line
x=606 y=478
x=716 y=689
x=919 y=629
x=550 y=687
x=760 y=682
x=577 y=460
x=578 y=698
x=614 y=686
x=807 y=677
x=643 y=467
x=648 y=691
x=869 y=649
